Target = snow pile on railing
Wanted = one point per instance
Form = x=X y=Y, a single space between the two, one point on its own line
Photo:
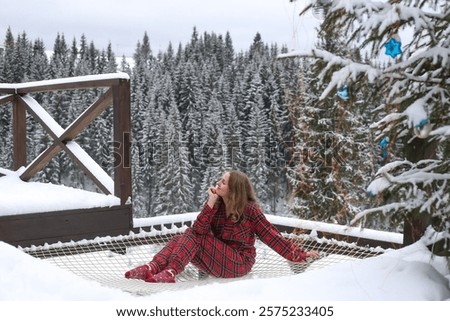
x=19 y=197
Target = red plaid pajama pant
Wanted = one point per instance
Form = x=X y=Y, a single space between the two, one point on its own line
x=204 y=251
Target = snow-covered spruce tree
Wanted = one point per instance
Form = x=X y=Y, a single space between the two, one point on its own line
x=212 y=152
x=6 y=50
x=330 y=163
x=299 y=169
x=257 y=148
x=279 y=140
x=140 y=97
x=192 y=108
x=8 y=68
x=414 y=37
x=176 y=189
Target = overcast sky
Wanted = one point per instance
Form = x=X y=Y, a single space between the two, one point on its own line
x=124 y=22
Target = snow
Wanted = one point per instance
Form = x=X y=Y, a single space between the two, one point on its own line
x=43 y=115
x=411 y=273
x=45 y=281
x=378 y=185
x=91 y=165
x=398 y=275
x=19 y=197
x=410 y=276
x=68 y=80
x=416 y=113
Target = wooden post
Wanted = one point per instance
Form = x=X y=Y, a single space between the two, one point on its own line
x=122 y=140
x=19 y=134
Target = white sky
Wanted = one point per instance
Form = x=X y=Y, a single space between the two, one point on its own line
x=123 y=23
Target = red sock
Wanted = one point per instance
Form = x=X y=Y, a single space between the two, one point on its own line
x=165 y=276
x=142 y=272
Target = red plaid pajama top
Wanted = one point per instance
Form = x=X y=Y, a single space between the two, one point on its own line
x=222 y=248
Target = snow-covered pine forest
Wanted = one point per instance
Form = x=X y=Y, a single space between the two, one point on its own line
x=313 y=131
x=197 y=110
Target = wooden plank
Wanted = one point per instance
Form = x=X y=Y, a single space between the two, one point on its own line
x=8 y=89
x=64 y=226
x=122 y=139
x=43 y=117
x=39 y=162
x=67 y=86
x=6 y=99
x=71 y=83
x=52 y=127
x=19 y=134
x=93 y=170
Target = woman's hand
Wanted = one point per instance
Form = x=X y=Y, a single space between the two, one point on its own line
x=212 y=198
x=313 y=254
x=299 y=255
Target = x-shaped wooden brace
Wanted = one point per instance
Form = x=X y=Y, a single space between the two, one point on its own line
x=63 y=140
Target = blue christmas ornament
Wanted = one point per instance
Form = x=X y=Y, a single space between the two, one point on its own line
x=423 y=128
x=393 y=46
x=343 y=93
x=384 y=146
x=384 y=142
x=422 y=123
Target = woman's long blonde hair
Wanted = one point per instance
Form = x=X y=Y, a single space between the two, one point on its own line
x=240 y=192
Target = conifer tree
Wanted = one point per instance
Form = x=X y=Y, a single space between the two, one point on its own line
x=22 y=57
x=39 y=62
x=212 y=151
x=257 y=149
x=332 y=136
x=6 y=55
x=140 y=98
x=8 y=75
x=192 y=109
x=176 y=190
x=415 y=93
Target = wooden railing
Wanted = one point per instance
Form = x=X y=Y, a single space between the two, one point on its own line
x=117 y=95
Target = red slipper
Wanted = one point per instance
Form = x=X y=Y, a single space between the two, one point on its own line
x=142 y=272
x=165 y=276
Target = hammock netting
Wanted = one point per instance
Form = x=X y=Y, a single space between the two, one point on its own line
x=106 y=259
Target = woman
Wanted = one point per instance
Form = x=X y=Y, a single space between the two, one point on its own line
x=221 y=241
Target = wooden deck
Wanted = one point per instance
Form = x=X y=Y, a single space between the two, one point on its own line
x=39 y=228
x=64 y=226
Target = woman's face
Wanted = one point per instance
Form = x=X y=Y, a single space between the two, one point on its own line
x=222 y=185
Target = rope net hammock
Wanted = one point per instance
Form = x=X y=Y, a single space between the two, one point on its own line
x=106 y=259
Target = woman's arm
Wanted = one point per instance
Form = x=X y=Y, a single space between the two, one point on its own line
x=202 y=224
x=269 y=235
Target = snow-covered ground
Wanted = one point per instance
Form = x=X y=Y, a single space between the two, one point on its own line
x=411 y=273
x=408 y=274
